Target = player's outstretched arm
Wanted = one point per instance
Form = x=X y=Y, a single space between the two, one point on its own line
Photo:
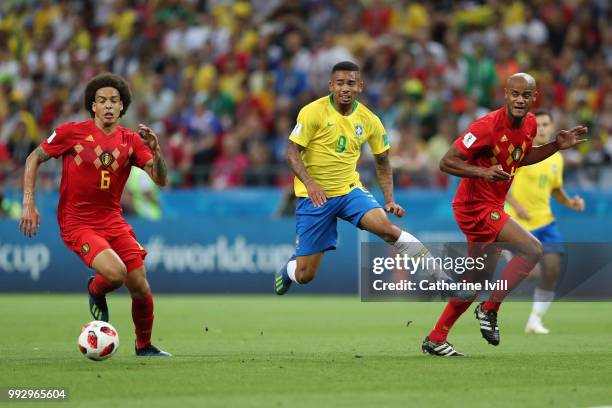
x=315 y=192
x=155 y=168
x=384 y=175
x=30 y=218
x=564 y=140
x=456 y=164
x=576 y=202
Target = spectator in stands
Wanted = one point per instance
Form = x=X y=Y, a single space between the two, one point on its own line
x=21 y=143
x=230 y=168
x=253 y=64
x=159 y=100
x=260 y=170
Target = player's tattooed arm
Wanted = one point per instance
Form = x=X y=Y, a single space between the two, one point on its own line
x=296 y=163
x=384 y=175
x=294 y=158
x=33 y=160
x=41 y=155
x=155 y=168
x=30 y=219
x=160 y=169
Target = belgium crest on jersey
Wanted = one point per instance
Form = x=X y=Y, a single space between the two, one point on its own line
x=106 y=158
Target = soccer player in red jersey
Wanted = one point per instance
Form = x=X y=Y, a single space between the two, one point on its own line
x=486 y=157
x=97 y=158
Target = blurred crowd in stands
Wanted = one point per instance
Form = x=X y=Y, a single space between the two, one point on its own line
x=222 y=81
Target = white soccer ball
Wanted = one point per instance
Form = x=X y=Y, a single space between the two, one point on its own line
x=98 y=340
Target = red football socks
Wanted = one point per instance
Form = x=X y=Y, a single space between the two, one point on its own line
x=100 y=286
x=451 y=313
x=515 y=271
x=142 y=315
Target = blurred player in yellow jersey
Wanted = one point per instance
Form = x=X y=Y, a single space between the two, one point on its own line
x=323 y=151
x=529 y=201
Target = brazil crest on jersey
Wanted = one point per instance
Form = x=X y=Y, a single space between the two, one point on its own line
x=333 y=142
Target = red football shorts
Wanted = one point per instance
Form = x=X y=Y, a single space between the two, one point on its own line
x=480 y=223
x=88 y=243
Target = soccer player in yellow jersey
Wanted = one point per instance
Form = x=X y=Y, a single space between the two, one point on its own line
x=323 y=151
x=529 y=201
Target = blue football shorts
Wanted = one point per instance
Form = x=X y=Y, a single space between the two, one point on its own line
x=316 y=228
x=550 y=237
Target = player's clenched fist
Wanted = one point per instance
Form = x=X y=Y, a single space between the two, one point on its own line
x=495 y=173
x=316 y=193
x=577 y=203
x=29 y=221
x=394 y=209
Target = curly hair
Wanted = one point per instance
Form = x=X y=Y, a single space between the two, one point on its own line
x=107 y=80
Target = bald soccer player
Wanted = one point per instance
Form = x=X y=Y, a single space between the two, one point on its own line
x=487 y=157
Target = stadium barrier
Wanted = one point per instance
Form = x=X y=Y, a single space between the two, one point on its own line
x=230 y=242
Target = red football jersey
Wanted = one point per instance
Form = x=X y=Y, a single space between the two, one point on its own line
x=489 y=141
x=95 y=169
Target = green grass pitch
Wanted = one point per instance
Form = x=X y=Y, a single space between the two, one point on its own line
x=298 y=351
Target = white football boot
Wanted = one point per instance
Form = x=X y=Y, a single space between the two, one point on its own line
x=535 y=326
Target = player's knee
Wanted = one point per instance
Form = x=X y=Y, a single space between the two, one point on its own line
x=116 y=274
x=539 y=250
x=534 y=250
x=141 y=290
x=390 y=233
x=551 y=273
x=304 y=274
x=304 y=279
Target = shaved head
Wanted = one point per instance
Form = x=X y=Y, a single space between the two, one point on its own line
x=520 y=93
x=523 y=77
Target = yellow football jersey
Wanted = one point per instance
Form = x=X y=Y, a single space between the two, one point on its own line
x=532 y=187
x=333 y=144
